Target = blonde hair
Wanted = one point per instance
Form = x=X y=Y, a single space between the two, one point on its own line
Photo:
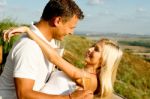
x=111 y=56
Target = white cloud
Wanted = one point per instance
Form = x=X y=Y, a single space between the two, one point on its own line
x=3 y=3
x=142 y=14
x=1 y=10
x=140 y=10
x=88 y=15
x=106 y=13
x=95 y=2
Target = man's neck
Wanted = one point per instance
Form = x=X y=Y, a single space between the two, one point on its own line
x=44 y=28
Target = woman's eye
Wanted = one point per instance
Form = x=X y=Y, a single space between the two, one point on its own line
x=93 y=45
x=96 y=49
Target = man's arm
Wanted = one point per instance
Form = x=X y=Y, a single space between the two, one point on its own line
x=24 y=90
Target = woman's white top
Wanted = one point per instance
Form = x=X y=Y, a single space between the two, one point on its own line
x=59 y=83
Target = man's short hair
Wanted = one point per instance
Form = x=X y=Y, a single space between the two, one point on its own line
x=63 y=8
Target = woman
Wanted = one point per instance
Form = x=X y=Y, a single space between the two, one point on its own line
x=99 y=73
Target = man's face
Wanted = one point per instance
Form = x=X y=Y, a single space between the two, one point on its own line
x=65 y=28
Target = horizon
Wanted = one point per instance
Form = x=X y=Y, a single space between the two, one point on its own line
x=88 y=33
x=106 y=16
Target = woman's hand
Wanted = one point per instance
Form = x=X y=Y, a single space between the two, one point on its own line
x=14 y=31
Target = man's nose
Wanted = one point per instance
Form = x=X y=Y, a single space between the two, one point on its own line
x=70 y=33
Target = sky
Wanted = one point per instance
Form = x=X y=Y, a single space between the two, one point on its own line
x=101 y=16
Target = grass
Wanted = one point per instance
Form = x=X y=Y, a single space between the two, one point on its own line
x=144 y=43
x=76 y=47
x=133 y=72
x=4 y=25
x=132 y=79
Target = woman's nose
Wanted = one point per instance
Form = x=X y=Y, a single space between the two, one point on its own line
x=91 y=49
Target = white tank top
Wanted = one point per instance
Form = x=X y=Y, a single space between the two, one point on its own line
x=59 y=83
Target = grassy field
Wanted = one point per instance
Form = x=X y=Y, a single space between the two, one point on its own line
x=138 y=45
x=133 y=72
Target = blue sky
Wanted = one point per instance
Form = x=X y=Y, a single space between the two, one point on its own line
x=119 y=16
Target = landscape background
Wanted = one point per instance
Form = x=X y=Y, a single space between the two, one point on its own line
x=125 y=21
x=133 y=72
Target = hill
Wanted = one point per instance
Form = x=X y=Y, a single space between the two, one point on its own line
x=133 y=72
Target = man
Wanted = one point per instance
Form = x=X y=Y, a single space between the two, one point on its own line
x=26 y=69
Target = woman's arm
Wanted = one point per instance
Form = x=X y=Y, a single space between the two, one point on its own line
x=72 y=71
x=52 y=55
x=12 y=32
x=24 y=91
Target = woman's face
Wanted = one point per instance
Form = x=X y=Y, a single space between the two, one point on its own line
x=93 y=54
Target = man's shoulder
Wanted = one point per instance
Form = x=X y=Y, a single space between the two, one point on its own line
x=25 y=44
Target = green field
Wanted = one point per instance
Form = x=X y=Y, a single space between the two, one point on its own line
x=133 y=72
x=137 y=45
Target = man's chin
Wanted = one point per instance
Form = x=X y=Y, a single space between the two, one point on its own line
x=60 y=39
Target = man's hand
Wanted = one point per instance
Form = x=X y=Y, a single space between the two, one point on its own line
x=82 y=94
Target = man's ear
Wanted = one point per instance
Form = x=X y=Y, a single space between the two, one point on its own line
x=57 y=21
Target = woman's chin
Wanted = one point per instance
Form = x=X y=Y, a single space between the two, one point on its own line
x=87 y=61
